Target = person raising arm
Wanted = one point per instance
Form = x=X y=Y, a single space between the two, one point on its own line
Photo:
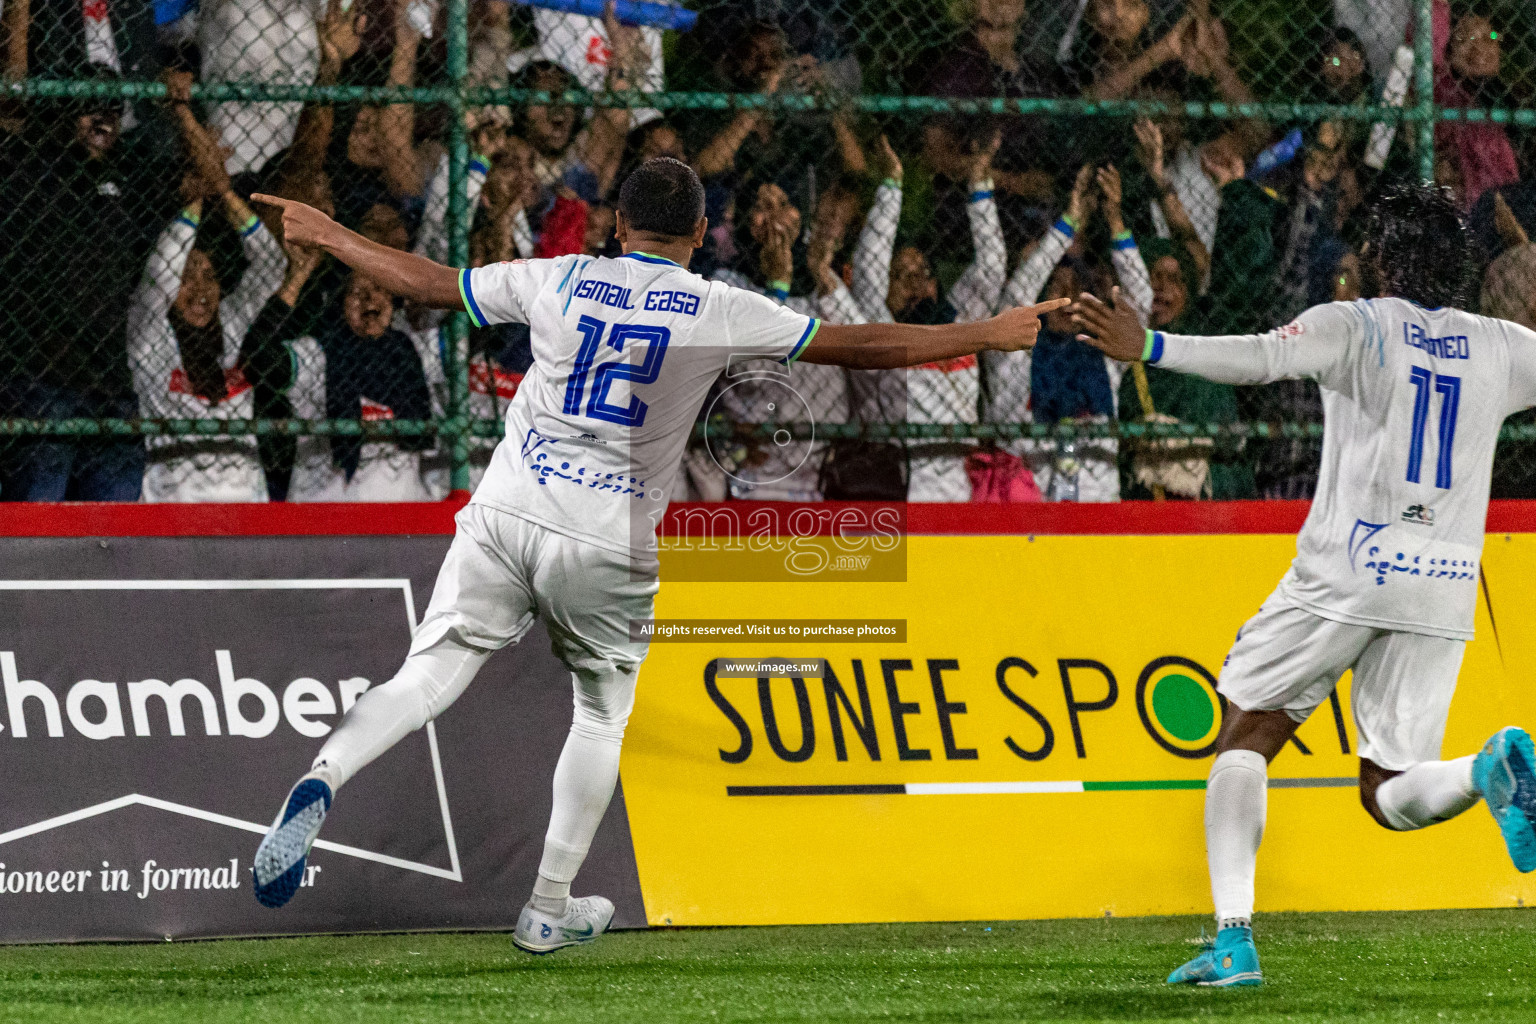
x=594 y=441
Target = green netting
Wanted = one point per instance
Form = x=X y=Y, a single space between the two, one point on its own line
x=922 y=153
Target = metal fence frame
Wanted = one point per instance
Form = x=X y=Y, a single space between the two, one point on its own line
x=456 y=428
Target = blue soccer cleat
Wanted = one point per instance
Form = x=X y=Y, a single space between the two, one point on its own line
x=1230 y=960
x=279 y=865
x=1505 y=773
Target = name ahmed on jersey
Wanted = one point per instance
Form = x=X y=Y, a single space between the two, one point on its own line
x=1452 y=346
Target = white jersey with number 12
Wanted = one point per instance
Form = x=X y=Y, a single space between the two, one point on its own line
x=624 y=353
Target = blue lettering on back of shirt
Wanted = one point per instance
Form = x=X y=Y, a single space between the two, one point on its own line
x=686 y=303
x=604 y=292
x=1452 y=346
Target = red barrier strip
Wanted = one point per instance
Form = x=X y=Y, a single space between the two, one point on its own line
x=89 y=519
x=21 y=519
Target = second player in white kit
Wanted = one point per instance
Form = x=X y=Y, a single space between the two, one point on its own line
x=563 y=525
x=1385 y=578
x=1386 y=571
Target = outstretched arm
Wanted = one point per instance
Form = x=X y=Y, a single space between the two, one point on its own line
x=628 y=60
x=1130 y=268
x=401 y=273
x=888 y=346
x=432 y=236
x=1316 y=345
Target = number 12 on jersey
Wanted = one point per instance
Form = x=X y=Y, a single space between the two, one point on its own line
x=644 y=372
x=1449 y=388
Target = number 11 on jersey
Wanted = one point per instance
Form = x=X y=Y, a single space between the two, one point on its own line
x=1449 y=388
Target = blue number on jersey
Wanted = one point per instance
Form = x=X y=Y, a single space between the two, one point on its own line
x=1449 y=390
x=591 y=330
x=649 y=368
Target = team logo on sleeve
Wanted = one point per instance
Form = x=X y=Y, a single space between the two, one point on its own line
x=1419 y=515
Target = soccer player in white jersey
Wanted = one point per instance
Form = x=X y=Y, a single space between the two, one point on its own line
x=1386 y=572
x=563 y=524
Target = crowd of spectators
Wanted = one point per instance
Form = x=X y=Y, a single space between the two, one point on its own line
x=136 y=281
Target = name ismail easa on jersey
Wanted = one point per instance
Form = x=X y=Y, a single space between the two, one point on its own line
x=98 y=710
x=656 y=300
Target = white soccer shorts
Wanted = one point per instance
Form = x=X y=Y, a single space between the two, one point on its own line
x=502 y=571
x=1288 y=659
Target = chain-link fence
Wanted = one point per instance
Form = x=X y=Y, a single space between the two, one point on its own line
x=864 y=160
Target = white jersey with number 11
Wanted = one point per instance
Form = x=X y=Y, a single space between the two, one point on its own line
x=1413 y=400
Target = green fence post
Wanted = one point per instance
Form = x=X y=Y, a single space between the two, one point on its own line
x=456 y=429
x=1424 y=85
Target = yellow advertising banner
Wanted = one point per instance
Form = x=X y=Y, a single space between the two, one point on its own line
x=1034 y=744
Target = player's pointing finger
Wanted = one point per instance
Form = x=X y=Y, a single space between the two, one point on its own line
x=1041 y=308
x=282 y=204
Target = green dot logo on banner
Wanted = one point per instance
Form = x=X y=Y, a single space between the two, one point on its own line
x=1179 y=706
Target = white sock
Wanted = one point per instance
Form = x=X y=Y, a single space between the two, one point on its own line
x=426 y=684
x=1236 y=797
x=585 y=778
x=1427 y=793
x=550 y=897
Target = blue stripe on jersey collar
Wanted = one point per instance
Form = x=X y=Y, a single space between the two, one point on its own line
x=645 y=257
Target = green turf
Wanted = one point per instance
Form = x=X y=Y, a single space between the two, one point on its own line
x=1457 y=966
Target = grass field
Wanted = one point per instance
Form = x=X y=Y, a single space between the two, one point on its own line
x=1457 y=966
